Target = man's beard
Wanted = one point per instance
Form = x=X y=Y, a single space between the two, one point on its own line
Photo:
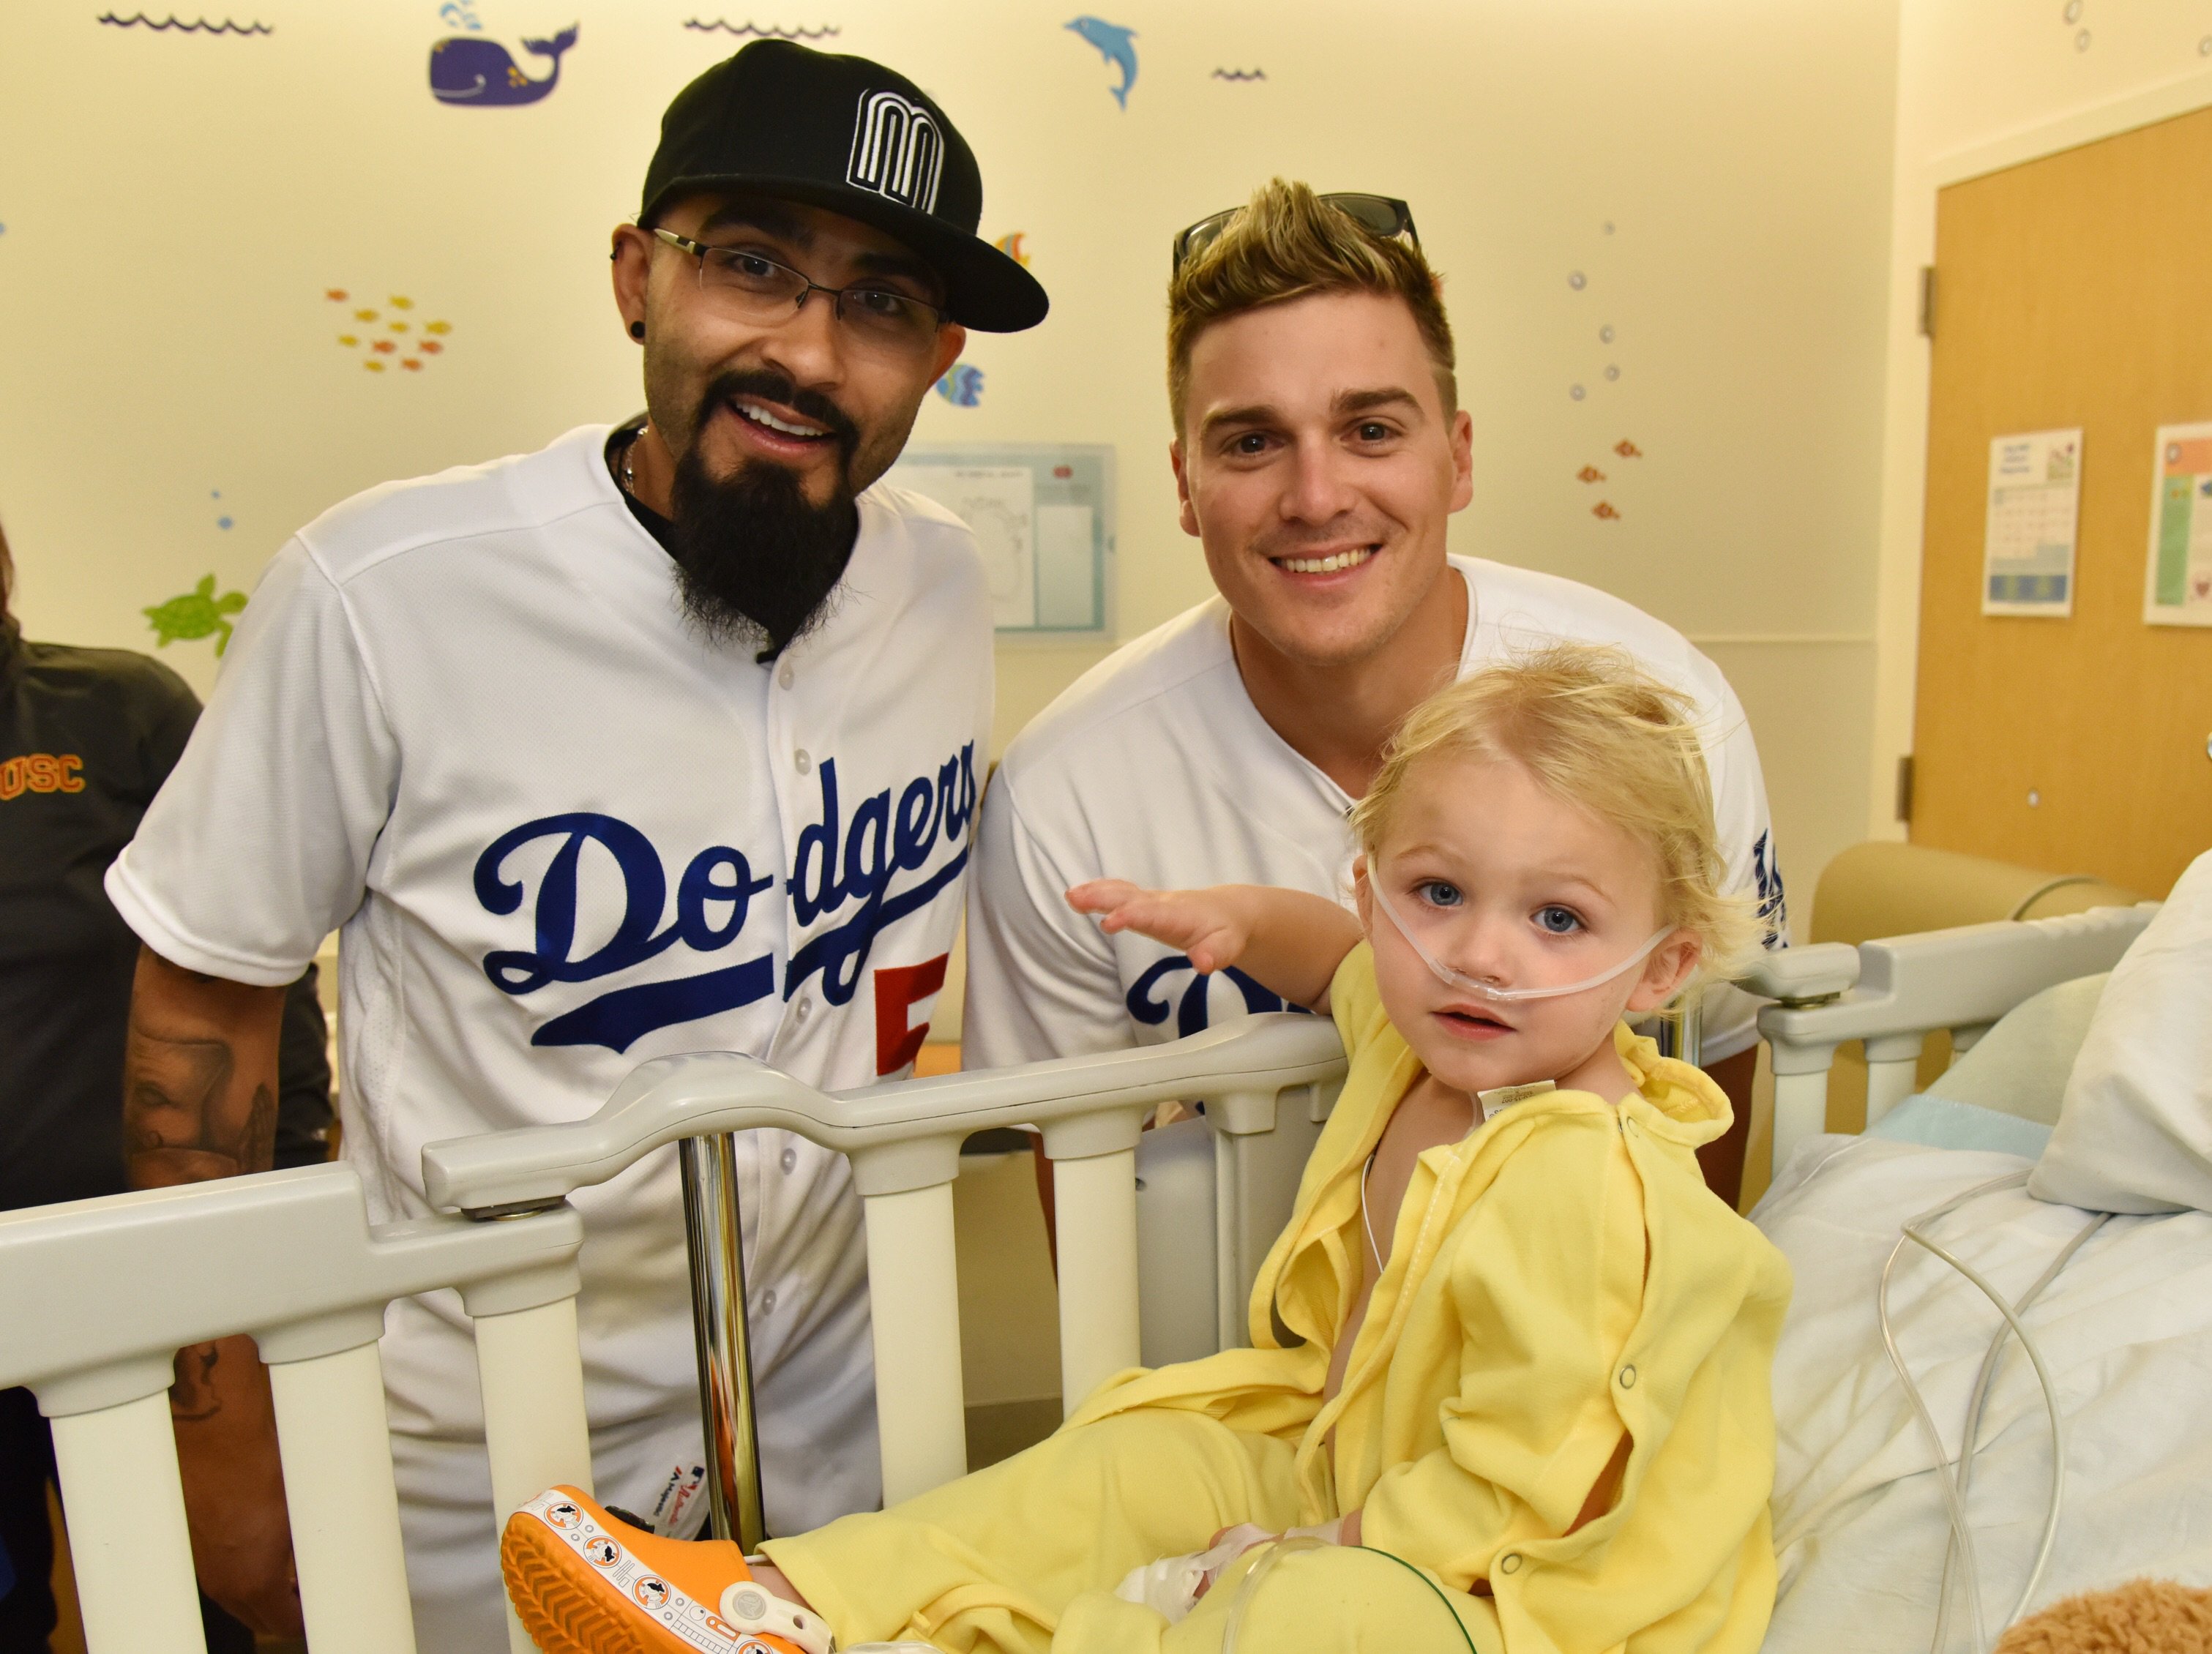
x=756 y=559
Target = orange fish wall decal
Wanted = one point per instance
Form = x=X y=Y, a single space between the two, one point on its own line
x=385 y=339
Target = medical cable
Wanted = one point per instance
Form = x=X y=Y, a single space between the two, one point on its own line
x=1249 y=1587
x=1954 y=1497
x=1366 y=1219
x=1952 y=1503
x=1953 y=1489
x=1983 y=1381
x=2058 y=1424
x=1434 y=1588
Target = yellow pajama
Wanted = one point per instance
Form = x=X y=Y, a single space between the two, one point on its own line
x=1002 y=1559
x=1559 y=1281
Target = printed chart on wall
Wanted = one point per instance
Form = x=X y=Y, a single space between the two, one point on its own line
x=2178 y=589
x=1043 y=519
x=2034 y=518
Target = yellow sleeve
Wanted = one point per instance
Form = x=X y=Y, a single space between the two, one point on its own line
x=1546 y=1276
x=1355 y=1003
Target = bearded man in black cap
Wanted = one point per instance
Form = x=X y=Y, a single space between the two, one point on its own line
x=665 y=737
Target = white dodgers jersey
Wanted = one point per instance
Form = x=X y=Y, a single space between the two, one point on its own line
x=465 y=719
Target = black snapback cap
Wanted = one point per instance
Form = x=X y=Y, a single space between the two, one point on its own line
x=849 y=135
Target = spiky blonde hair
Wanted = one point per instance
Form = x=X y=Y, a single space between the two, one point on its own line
x=1287 y=243
x=1597 y=733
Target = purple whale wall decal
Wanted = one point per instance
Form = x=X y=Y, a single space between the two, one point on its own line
x=470 y=70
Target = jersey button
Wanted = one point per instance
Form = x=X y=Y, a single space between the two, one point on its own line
x=784 y=674
x=1509 y=1563
x=790 y=1161
x=805 y=1010
x=1628 y=1378
x=804 y=763
x=768 y=1298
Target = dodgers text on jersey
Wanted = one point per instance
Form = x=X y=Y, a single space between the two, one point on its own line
x=841 y=870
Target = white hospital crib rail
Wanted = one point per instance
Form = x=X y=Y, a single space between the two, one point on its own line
x=904 y=1142
x=97 y=1295
x=1893 y=993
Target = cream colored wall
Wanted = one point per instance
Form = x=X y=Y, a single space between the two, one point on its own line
x=1717 y=172
x=1983 y=84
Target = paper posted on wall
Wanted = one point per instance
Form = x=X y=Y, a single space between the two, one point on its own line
x=2177 y=583
x=998 y=504
x=2034 y=518
x=1042 y=517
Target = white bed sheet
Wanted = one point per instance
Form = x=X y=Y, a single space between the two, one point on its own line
x=2126 y=1330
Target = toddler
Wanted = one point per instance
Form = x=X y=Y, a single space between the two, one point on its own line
x=1508 y=1389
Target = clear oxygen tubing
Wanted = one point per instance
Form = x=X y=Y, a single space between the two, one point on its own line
x=1491 y=991
x=1954 y=1486
x=1983 y=1381
x=1249 y=1587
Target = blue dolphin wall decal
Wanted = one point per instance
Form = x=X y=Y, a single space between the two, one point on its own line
x=1113 y=43
x=469 y=70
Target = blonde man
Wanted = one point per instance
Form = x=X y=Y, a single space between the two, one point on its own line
x=1318 y=450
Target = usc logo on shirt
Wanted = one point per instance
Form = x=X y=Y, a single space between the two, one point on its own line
x=40 y=772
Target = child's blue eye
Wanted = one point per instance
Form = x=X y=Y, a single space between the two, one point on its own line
x=1557 y=921
x=1438 y=893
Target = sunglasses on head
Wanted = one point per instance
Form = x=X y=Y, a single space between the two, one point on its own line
x=1379 y=215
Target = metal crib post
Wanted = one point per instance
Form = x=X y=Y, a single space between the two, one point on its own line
x=716 y=1240
x=1680 y=1031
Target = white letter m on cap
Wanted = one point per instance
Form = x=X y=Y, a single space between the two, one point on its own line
x=897 y=151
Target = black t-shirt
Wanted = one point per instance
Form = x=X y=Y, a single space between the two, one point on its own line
x=87 y=737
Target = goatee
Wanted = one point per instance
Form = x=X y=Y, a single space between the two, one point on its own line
x=756 y=559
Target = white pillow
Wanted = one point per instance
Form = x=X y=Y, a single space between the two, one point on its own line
x=2135 y=1129
x=2020 y=1066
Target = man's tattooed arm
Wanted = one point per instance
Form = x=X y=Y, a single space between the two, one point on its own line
x=199 y=1076
x=200 y=1102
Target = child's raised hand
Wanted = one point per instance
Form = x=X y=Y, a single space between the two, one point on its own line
x=1208 y=925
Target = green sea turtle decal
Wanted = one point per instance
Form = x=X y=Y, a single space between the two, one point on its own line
x=198 y=613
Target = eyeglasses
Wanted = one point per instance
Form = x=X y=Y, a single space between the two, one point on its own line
x=1380 y=214
x=757 y=288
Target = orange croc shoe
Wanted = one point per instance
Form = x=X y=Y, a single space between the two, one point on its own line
x=584 y=1582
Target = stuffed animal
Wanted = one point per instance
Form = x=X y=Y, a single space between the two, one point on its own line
x=2144 y=1616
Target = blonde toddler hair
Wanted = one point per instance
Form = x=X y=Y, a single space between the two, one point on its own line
x=1597 y=733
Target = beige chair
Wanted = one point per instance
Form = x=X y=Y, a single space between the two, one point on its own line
x=1883 y=889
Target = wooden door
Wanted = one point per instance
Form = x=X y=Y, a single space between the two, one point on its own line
x=2076 y=290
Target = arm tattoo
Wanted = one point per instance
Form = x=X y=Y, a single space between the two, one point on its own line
x=257 y=1147
x=194 y=1397
x=181 y=1121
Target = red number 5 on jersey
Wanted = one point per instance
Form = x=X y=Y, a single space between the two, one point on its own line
x=899 y=989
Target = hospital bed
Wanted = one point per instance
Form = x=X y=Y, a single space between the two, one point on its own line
x=96 y=1295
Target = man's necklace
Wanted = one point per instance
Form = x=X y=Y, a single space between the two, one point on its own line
x=629 y=478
